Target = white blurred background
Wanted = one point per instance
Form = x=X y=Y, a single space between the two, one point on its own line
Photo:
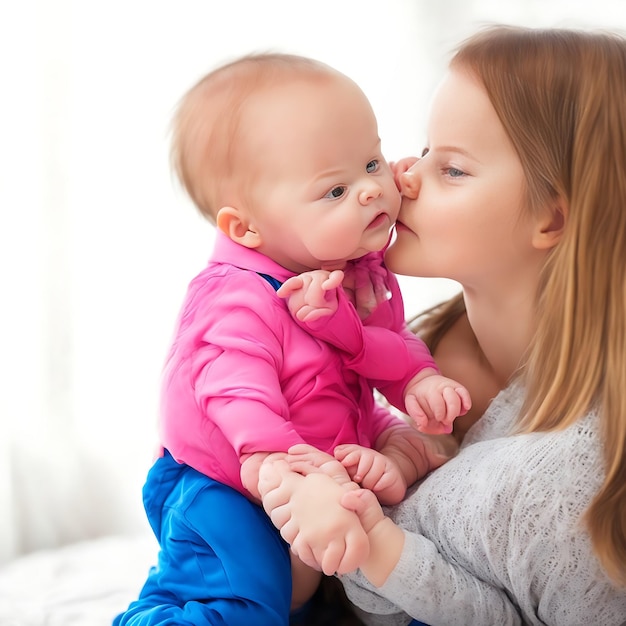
x=97 y=244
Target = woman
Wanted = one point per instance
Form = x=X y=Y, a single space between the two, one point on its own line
x=520 y=196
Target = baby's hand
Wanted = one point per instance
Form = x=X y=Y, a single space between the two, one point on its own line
x=306 y=459
x=386 y=540
x=373 y=470
x=434 y=402
x=312 y=295
x=308 y=512
x=365 y=504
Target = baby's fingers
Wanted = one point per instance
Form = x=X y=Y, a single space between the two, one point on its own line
x=334 y=280
x=281 y=518
x=365 y=504
x=304 y=552
x=290 y=286
x=330 y=559
x=429 y=416
x=356 y=551
x=348 y=454
x=311 y=313
x=415 y=412
x=466 y=400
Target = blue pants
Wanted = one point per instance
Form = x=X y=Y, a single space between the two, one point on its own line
x=221 y=561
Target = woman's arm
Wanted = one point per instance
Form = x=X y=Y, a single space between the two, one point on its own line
x=410 y=574
x=437 y=593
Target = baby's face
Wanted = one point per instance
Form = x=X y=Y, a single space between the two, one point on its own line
x=323 y=192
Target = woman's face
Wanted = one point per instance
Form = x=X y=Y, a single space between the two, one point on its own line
x=462 y=211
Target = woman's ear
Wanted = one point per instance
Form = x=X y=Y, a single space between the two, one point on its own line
x=236 y=226
x=551 y=225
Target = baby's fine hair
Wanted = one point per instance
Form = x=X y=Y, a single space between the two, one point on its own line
x=205 y=133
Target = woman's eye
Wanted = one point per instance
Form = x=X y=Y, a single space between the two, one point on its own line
x=336 y=192
x=372 y=166
x=454 y=172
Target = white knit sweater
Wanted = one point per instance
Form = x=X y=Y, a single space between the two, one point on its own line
x=495 y=536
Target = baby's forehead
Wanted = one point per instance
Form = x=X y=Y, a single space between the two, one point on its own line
x=253 y=108
x=257 y=73
x=261 y=107
x=249 y=89
x=262 y=71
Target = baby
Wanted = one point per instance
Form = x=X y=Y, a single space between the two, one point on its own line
x=281 y=340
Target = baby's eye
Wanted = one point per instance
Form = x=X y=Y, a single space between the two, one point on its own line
x=424 y=152
x=372 y=166
x=336 y=192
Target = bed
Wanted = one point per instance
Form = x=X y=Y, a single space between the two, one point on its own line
x=81 y=584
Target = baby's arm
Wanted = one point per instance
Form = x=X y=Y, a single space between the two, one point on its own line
x=325 y=312
x=433 y=401
x=250 y=470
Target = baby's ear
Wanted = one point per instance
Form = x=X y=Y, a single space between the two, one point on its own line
x=551 y=225
x=236 y=225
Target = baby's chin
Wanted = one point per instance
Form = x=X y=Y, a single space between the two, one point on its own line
x=339 y=264
x=330 y=266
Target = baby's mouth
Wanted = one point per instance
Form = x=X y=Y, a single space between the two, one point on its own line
x=378 y=221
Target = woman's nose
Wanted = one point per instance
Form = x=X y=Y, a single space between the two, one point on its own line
x=410 y=183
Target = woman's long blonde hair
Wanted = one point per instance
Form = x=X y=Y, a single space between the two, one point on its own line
x=561 y=96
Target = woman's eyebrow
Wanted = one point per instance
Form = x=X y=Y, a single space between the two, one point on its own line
x=457 y=149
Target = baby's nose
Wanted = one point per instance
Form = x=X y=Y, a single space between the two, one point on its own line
x=370 y=192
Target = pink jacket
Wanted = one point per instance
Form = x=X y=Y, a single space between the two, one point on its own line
x=243 y=376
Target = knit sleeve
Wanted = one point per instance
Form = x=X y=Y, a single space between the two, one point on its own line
x=427 y=587
x=497 y=534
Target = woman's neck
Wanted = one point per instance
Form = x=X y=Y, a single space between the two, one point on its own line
x=502 y=330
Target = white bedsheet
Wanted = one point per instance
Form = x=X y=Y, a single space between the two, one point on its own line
x=83 y=584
